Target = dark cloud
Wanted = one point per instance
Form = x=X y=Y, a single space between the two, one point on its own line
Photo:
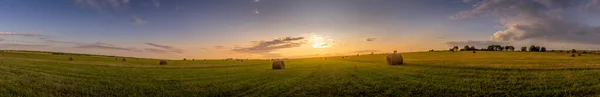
x=218 y=47
x=164 y=48
x=272 y=45
x=551 y=20
x=365 y=51
x=100 y=45
x=370 y=39
x=475 y=43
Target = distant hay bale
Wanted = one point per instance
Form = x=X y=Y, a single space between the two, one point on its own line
x=572 y=54
x=70 y=58
x=162 y=62
x=579 y=54
x=394 y=59
x=124 y=60
x=474 y=52
x=184 y=59
x=278 y=64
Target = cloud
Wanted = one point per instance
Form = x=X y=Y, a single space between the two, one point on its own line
x=156 y=3
x=25 y=45
x=474 y=43
x=165 y=47
x=256 y=1
x=365 y=51
x=203 y=49
x=62 y=42
x=551 y=20
x=218 y=47
x=137 y=21
x=21 y=34
x=155 y=50
x=272 y=45
x=370 y=39
x=256 y=11
x=102 y=4
x=100 y=45
x=592 y=6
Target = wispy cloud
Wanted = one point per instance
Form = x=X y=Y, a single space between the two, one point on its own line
x=62 y=42
x=137 y=21
x=21 y=34
x=218 y=47
x=100 y=45
x=23 y=45
x=256 y=11
x=165 y=48
x=370 y=39
x=272 y=45
x=102 y=4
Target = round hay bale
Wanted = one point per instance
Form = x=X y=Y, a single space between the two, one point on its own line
x=124 y=60
x=572 y=54
x=70 y=58
x=579 y=54
x=278 y=64
x=394 y=59
x=162 y=62
x=474 y=52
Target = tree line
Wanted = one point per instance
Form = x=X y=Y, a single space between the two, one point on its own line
x=532 y=48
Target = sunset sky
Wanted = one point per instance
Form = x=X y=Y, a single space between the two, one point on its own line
x=213 y=29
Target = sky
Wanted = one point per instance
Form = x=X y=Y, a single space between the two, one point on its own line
x=216 y=29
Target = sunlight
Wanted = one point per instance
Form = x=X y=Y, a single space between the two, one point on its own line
x=318 y=41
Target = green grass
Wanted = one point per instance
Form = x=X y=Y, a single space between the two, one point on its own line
x=424 y=74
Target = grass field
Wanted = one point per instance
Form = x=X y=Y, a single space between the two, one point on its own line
x=424 y=74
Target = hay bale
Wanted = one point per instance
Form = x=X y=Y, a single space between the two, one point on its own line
x=162 y=62
x=124 y=60
x=572 y=54
x=278 y=64
x=474 y=52
x=394 y=59
x=184 y=59
x=579 y=54
x=70 y=58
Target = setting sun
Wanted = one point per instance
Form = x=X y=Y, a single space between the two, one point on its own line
x=318 y=41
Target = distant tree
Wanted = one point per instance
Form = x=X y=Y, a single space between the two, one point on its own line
x=499 y=48
x=491 y=48
x=543 y=49
x=467 y=47
x=534 y=48
x=573 y=51
x=455 y=48
x=510 y=48
x=523 y=49
x=473 y=48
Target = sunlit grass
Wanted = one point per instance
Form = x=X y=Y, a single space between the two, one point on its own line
x=424 y=74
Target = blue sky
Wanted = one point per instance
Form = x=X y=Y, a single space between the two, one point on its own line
x=249 y=29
